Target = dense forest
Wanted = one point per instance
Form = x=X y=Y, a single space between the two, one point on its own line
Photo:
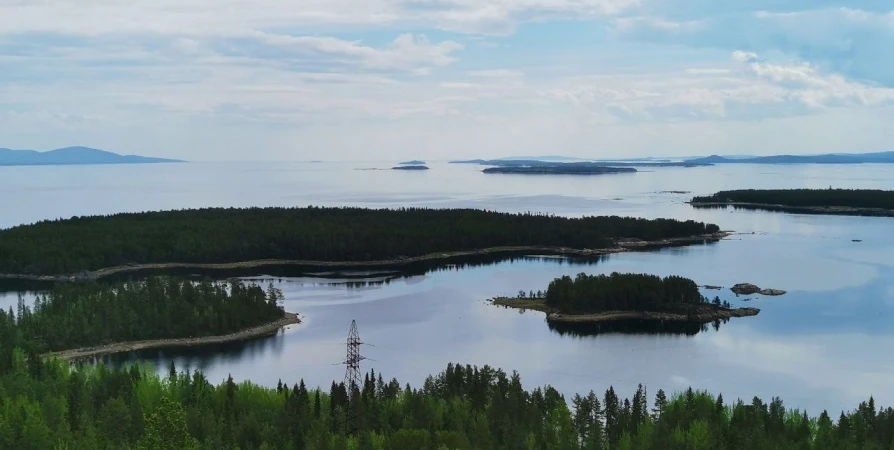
x=319 y=234
x=855 y=198
x=90 y=314
x=47 y=405
x=586 y=294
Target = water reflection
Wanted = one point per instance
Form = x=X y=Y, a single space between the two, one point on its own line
x=633 y=327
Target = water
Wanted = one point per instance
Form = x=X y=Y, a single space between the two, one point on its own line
x=821 y=346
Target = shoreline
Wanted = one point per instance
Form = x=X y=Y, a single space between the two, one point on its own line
x=705 y=316
x=621 y=245
x=820 y=210
x=265 y=330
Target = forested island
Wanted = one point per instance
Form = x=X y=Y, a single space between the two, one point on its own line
x=868 y=202
x=83 y=248
x=101 y=318
x=619 y=297
x=412 y=167
x=571 y=161
x=49 y=404
x=560 y=169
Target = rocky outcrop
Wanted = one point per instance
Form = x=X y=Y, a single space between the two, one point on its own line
x=749 y=289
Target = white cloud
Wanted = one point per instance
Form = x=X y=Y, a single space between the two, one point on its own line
x=743 y=57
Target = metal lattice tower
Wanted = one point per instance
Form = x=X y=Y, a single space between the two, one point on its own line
x=352 y=372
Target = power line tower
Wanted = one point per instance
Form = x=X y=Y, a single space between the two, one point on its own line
x=352 y=377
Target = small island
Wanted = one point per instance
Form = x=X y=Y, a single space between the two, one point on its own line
x=414 y=162
x=622 y=297
x=560 y=169
x=88 y=320
x=857 y=202
x=750 y=289
x=410 y=168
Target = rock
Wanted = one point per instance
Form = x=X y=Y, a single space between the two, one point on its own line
x=749 y=289
x=713 y=288
x=745 y=289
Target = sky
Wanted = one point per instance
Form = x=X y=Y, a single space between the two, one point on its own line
x=444 y=79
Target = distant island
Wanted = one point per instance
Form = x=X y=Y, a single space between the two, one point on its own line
x=858 y=202
x=560 y=169
x=830 y=158
x=622 y=297
x=233 y=239
x=414 y=162
x=410 y=168
x=612 y=163
x=72 y=156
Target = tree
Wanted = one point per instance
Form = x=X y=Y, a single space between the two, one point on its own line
x=166 y=429
x=660 y=405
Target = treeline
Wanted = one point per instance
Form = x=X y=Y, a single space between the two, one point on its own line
x=80 y=315
x=319 y=234
x=49 y=405
x=623 y=292
x=856 y=198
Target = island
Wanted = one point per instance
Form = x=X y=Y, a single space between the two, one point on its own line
x=94 y=319
x=410 y=168
x=750 y=289
x=414 y=162
x=621 y=297
x=605 y=163
x=73 y=156
x=232 y=239
x=829 y=158
x=859 y=202
x=560 y=169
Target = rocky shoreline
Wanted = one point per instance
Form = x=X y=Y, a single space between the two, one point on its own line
x=828 y=210
x=621 y=245
x=705 y=314
x=265 y=330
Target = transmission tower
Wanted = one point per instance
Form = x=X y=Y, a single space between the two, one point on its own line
x=352 y=372
x=352 y=378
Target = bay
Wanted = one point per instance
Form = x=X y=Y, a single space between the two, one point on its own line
x=821 y=346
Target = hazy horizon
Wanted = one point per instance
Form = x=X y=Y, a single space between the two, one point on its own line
x=453 y=79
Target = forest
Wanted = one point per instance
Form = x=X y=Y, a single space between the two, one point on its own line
x=854 y=198
x=587 y=294
x=218 y=235
x=91 y=314
x=49 y=405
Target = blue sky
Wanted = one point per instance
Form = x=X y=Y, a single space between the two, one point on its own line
x=440 y=79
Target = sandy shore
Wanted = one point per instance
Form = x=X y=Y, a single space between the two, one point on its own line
x=623 y=245
x=269 y=329
x=706 y=314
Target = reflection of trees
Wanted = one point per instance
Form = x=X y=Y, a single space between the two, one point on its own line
x=650 y=327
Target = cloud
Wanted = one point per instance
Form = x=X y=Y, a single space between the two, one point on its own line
x=748 y=90
x=849 y=41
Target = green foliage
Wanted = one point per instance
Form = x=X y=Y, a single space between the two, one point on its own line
x=462 y=408
x=78 y=315
x=622 y=292
x=319 y=234
x=857 y=198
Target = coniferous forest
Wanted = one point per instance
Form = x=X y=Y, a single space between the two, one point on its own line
x=855 y=198
x=47 y=405
x=587 y=294
x=220 y=235
x=79 y=315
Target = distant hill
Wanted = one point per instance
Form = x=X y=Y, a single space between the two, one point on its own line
x=72 y=156
x=831 y=158
x=414 y=162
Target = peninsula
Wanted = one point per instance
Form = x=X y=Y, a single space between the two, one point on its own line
x=828 y=158
x=85 y=248
x=72 y=156
x=621 y=297
x=858 y=202
x=100 y=318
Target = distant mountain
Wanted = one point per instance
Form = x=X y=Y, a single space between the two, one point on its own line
x=414 y=162
x=831 y=158
x=71 y=156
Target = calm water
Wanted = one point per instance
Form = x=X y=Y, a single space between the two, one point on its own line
x=823 y=345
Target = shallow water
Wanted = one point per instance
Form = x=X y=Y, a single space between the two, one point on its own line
x=821 y=346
